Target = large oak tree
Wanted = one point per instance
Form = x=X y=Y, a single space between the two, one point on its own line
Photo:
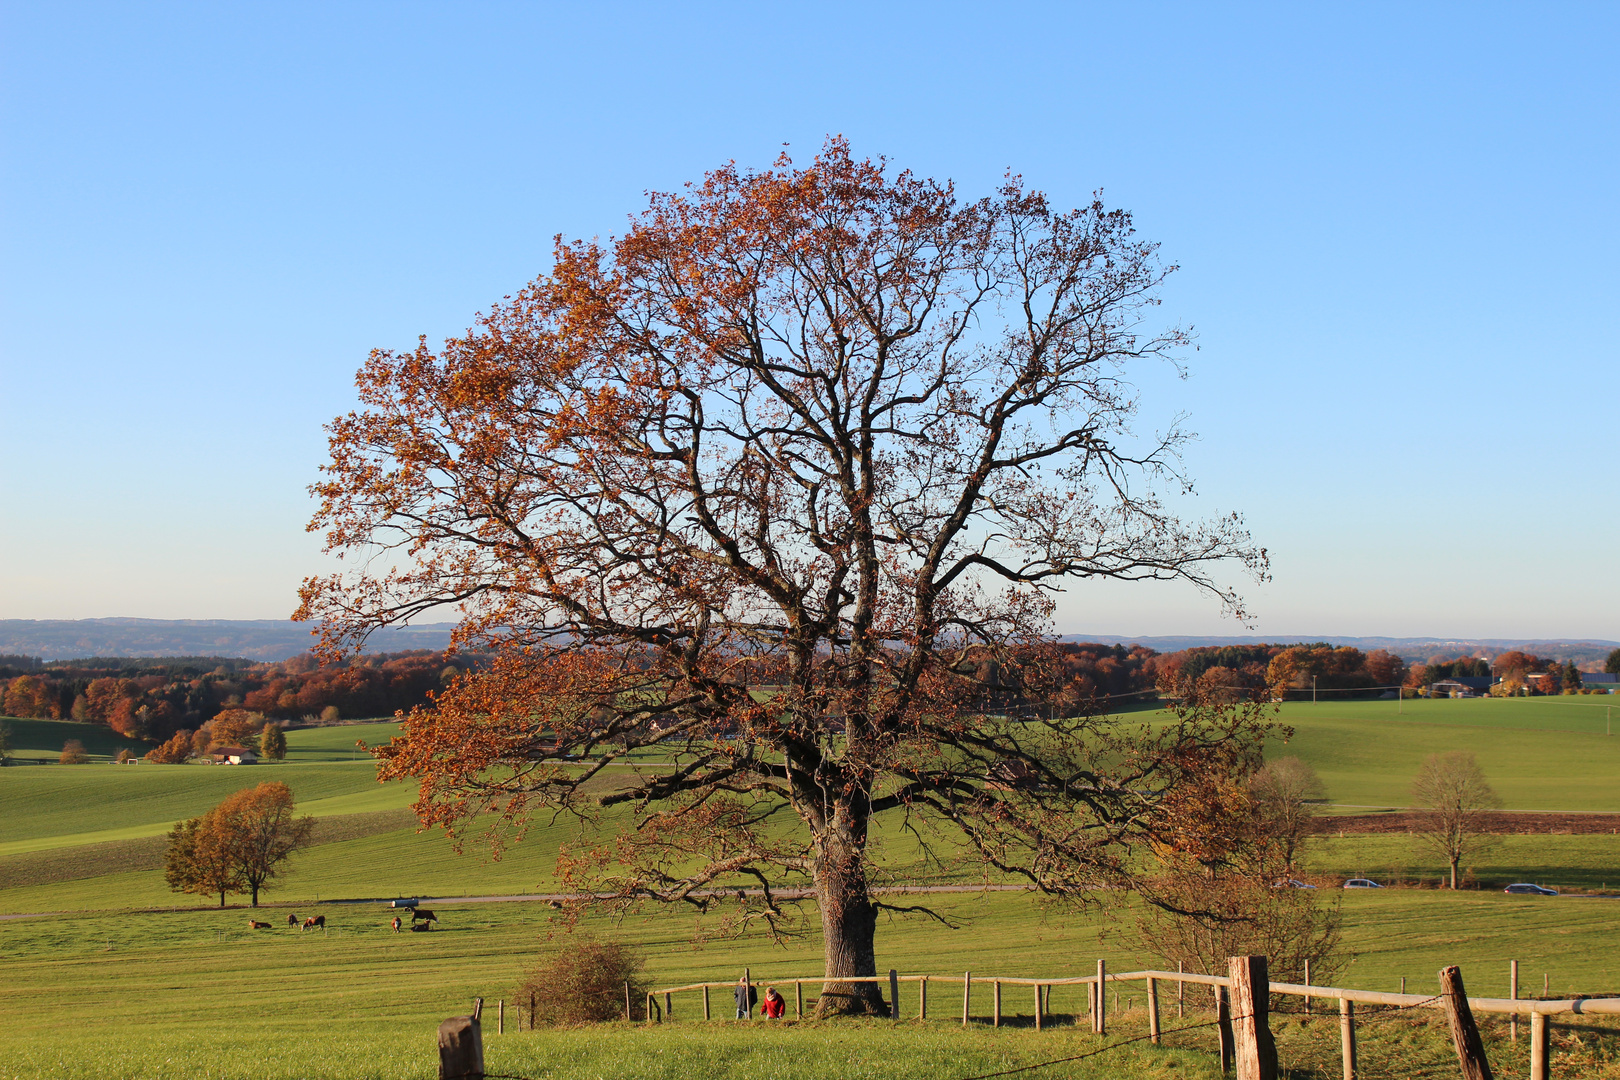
x=780 y=484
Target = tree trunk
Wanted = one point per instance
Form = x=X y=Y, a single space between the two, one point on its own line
x=848 y=927
x=255 y=889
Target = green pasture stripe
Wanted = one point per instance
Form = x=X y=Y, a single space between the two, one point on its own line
x=53 y=806
x=43 y=739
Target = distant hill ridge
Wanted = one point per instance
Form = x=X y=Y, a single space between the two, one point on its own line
x=1579 y=650
x=252 y=639
x=275 y=639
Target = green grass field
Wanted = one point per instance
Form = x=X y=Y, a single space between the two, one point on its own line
x=99 y=992
x=1546 y=754
x=103 y=994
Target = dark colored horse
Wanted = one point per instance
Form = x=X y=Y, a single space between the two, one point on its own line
x=421 y=915
x=255 y=924
x=419 y=927
x=315 y=920
x=292 y=920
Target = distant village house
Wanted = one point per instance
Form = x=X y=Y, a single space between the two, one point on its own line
x=233 y=755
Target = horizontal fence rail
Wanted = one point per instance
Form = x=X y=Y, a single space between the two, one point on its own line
x=1607 y=1006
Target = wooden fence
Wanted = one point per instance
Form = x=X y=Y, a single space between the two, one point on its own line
x=1239 y=1010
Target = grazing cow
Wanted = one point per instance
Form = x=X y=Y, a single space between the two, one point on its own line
x=255 y=924
x=419 y=927
x=396 y=924
x=422 y=915
x=292 y=920
x=315 y=920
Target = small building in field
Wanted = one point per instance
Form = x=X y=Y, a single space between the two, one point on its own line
x=1461 y=686
x=233 y=755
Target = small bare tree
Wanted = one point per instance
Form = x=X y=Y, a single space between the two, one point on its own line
x=1282 y=790
x=1224 y=890
x=1452 y=788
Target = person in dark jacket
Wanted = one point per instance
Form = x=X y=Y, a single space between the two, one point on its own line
x=747 y=997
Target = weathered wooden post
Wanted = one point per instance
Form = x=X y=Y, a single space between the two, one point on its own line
x=669 y=1005
x=1223 y=1027
x=1513 y=992
x=500 y=1017
x=1347 y=1037
x=967 y=995
x=1091 y=1004
x=1181 y=991
x=894 y=994
x=922 y=998
x=461 y=1047
x=748 y=992
x=1037 y=1006
x=995 y=1015
x=1100 y=1017
x=1307 y=988
x=1153 y=1010
x=705 y=1001
x=1251 y=1004
x=798 y=999
x=1464 y=1032
x=1540 y=1047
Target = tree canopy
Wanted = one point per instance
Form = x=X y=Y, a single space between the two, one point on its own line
x=776 y=489
x=241 y=845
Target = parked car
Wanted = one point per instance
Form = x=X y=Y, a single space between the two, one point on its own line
x=1524 y=887
x=1362 y=883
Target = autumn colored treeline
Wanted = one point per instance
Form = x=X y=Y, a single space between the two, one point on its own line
x=146 y=701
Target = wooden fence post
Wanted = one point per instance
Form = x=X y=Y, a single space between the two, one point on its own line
x=1251 y=1003
x=500 y=1017
x=1153 y=1010
x=1181 y=994
x=894 y=994
x=531 y=1012
x=798 y=999
x=922 y=998
x=1307 y=988
x=1037 y=1006
x=1540 y=1047
x=705 y=1003
x=669 y=1005
x=1464 y=1032
x=461 y=1047
x=967 y=995
x=1347 y=1037
x=1223 y=1027
x=1513 y=992
x=1101 y=1015
x=995 y=1016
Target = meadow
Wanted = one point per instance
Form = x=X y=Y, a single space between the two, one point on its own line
x=100 y=989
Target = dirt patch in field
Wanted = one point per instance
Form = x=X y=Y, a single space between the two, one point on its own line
x=121 y=856
x=1502 y=824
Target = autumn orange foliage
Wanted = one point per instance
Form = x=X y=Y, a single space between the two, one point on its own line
x=767 y=489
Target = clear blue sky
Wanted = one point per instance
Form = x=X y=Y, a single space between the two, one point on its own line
x=1397 y=226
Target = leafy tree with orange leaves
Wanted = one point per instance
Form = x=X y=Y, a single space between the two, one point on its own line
x=241 y=845
x=756 y=489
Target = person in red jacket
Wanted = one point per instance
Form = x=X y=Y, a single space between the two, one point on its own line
x=774 y=1005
